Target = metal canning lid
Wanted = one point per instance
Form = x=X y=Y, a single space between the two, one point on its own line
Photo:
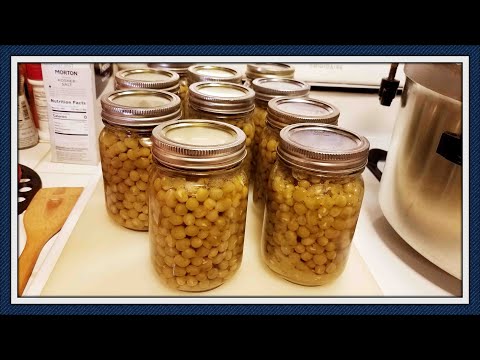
x=147 y=78
x=180 y=68
x=221 y=97
x=284 y=111
x=198 y=73
x=198 y=144
x=270 y=88
x=140 y=107
x=326 y=149
x=269 y=70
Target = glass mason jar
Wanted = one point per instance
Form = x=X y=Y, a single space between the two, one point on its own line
x=280 y=113
x=181 y=69
x=315 y=192
x=125 y=149
x=267 y=89
x=268 y=70
x=226 y=102
x=148 y=78
x=198 y=203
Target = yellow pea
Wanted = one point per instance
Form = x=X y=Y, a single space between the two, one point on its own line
x=216 y=194
x=192 y=204
x=188 y=219
x=178 y=232
x=202 y=194
x=181 y=195
x=210 y=204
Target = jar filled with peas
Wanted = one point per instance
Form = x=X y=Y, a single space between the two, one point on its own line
x=268 y=70
x=148 y=78
x=125 y=149
x=267 y=89
x=181 y=69
x=198 y=202
x=280 y=113
x=315 y=191
x=226 y=102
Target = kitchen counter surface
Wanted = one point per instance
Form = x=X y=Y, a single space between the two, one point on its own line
x=396 y=268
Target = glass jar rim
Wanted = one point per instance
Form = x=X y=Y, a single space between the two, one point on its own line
x=266 y=93
x=194 y=75
x=140 y=116
x=215 y=103
x=280 y=118
x=267 y=70
x=321 y=148
x=199 y=155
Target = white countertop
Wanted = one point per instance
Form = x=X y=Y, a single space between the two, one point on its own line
x=396 y=267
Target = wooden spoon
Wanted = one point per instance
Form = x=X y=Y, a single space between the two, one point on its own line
x=43 y=218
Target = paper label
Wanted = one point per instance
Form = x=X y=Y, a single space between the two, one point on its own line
x=70 y=92
x=27 y=133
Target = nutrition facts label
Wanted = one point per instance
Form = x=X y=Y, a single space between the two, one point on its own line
x=70 y=97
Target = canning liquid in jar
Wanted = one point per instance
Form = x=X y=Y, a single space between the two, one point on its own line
x=148 y=78
x=125 y=150
x=227 y=102
x=280 y=113
x=315 y=192
x=268 y=70
x=181 y=69
x=198 y=203
x=267 y=89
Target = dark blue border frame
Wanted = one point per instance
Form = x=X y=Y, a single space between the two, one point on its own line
x=258 y=50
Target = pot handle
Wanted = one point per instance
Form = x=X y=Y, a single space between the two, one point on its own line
x=374 y=156
x=450 y=147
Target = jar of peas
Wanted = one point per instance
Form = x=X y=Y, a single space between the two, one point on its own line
x=148 y=78
x=280 y=113
x=314 y=194
x=226 y=102
x=198 y=203
x=267 y=89
x=125 y=149
x=181 y=69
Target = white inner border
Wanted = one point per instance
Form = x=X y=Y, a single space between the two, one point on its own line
x=243 y=300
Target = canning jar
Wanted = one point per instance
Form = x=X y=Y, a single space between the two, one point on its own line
x=227 y=102
x=268 y=70
x=148 y=78
x=125 y=149
x=181 y=69
x=280 y=113
x=198 y=203
x=267 y=89
x=315 y=192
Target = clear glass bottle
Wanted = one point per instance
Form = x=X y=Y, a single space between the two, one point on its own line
x=267 y=89
x=148 y=78
x=198 y=203
x=226 y=102
x=280 y=113
x=181 y=69
x=268 y=70
x=125 y=149
x=315 y=192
